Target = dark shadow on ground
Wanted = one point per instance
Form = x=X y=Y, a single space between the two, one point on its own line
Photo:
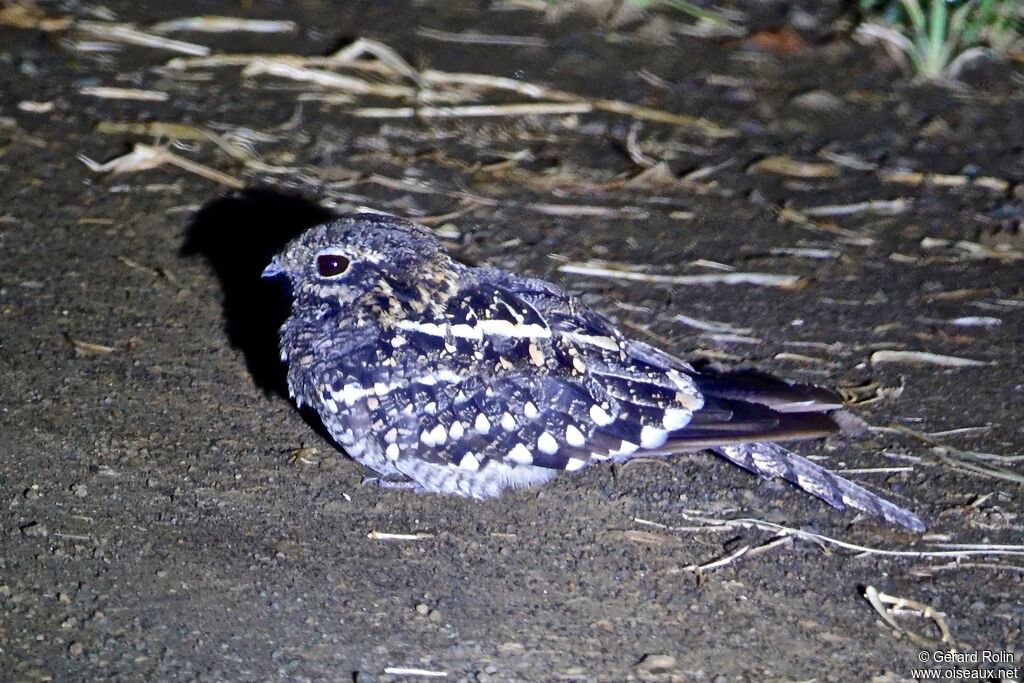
x=238 y=235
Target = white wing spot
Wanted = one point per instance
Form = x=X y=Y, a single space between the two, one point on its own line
x=438 y=435
x=652 y=437
x=469 y=462
x=508 y=422
x=391 y=435
x=625 y=448
x=392 y=452
x=521 y=455
x=675 y=418
x=482 y=424
x=456 y=430
x=573 y=464
x=530 y=410
x=600 y=416
x=574 y=436
x=547 y=444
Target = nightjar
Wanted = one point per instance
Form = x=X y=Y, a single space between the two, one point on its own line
x=469 y=381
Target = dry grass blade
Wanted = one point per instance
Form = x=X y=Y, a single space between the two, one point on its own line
x=649 y=538
x=762 y=279
x=91 y=349
x=474 y=38
x=919 y=357
x=963 y=460
x=728 y=559
x=637 y=155
x=880 y=601
x=212 y=24
x=410 y=671
x=702 y=125
x=383 y=54
x=805 y=252
x=385 y=536
x=627 y=212
x=745 y=551
x=175 y=131
x=144 y=157
x=882 y=207
x=485 y=82
x=714 y=524
x=473 y=111
x=110 y=93
x=128 y=34
x=327 y=79
x=711 y=325
x=35 y=107
x=788 y=166
x=974 y=250
x=969 y=461
x=389 y=63
x=945 y=180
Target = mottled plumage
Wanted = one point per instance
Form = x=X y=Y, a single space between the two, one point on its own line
x=473 y=380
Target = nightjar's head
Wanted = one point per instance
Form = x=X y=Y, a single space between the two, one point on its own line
x=368 y=264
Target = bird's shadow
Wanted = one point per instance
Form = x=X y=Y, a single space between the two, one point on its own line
x=238 y=235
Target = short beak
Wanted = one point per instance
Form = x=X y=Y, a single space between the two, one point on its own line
x=273 y=269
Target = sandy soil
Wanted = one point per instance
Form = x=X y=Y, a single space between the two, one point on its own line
x=168 y=515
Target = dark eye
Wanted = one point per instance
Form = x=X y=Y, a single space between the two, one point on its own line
x=331 y=265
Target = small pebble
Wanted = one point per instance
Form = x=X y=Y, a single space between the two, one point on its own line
x=34 y=530
x=656 y=664
x=818 y=100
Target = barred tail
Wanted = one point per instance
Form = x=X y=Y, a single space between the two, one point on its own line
x=770 y=460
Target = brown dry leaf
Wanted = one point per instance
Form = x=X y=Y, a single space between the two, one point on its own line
x=785 y=40
x=870 y=392
x=26 y=15
x=788 y=166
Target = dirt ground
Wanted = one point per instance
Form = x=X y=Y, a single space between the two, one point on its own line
x=168 y=515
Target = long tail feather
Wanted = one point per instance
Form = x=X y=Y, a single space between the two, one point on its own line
x=770 y=460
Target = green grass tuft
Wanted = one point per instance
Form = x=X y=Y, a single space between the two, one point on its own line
x=939 y=36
